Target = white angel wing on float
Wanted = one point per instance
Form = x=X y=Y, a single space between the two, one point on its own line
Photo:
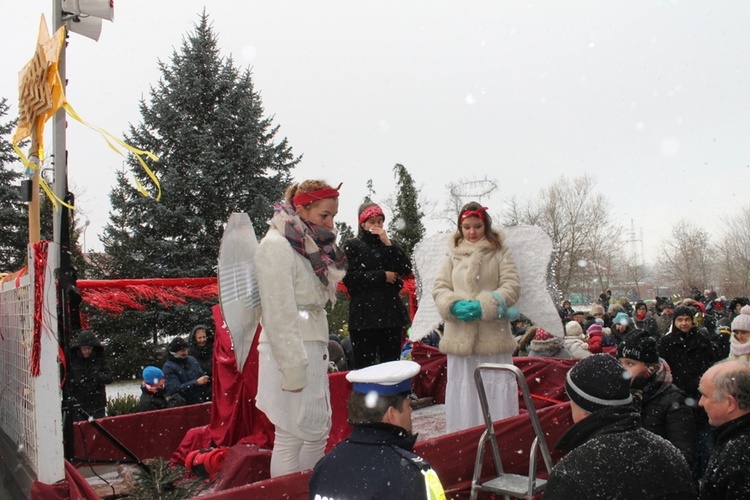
x=239 y=297
x=532 y=250
x=428 y=255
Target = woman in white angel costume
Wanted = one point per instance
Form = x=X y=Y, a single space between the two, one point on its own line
x=475 y=291
x=297 y=266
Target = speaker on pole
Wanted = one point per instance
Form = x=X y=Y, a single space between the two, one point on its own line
x=85 y=16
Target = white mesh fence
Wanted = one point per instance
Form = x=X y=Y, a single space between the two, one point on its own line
x=30 y=408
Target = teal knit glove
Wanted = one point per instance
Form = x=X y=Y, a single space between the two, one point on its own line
x=467 y=310
x=510 y=313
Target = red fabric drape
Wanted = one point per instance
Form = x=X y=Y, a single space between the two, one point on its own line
x=432 y=377
x=73 y=487
x=452 y=456
x=233 y=412
x=149 y=434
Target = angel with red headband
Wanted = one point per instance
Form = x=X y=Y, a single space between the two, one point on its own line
x=298 y=265
x=475 y=291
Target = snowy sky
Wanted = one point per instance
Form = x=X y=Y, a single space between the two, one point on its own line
x=649 y=97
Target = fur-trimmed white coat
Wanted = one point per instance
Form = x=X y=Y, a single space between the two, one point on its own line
x=472 y=271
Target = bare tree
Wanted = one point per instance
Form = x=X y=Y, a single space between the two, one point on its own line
x=578 y=221
x=686 y=258
x=733 y=250
x=635 y=272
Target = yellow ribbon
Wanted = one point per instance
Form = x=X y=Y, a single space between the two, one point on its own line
x=56 y=201
x=111 y=139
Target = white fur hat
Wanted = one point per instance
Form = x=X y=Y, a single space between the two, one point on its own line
x=573 y=329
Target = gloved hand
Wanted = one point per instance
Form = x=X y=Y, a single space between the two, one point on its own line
x=467 y=310
x=510 y=313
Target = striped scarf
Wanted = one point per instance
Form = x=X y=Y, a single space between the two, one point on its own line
x=315 y=243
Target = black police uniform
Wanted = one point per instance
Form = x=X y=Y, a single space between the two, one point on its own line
x=375 y=462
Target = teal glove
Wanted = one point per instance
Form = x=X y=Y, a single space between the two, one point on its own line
x=510 y=313
x=466 y=310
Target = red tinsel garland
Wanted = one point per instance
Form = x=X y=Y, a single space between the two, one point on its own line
x=40 y=269
x=117 y=296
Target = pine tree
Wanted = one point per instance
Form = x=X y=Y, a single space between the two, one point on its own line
x=406 y=226
x=13 y=212
x=217 y=155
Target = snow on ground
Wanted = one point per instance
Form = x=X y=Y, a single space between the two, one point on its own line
x=428 y=422
x=124 y=388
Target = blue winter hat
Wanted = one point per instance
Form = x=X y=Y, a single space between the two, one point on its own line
x=621 y=318
x=152 y=375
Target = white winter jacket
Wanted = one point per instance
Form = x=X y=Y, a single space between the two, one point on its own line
x=293 y=301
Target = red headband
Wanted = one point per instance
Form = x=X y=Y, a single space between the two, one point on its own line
x=479 y=212
x=303 y=199
x=370 y=212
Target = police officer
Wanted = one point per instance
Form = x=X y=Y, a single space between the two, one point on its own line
x=376 y=460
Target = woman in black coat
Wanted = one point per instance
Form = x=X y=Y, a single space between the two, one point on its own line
x=377 y=315
x=89 y=372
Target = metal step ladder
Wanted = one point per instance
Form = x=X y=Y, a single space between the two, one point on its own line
x=508 y=485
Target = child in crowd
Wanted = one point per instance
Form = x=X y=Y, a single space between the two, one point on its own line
x=739 y=348
x=154 y=392
x=662 y=404
x=595 y=333
x=574 y=341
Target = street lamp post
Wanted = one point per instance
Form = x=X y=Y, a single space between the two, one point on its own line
x=85 y=227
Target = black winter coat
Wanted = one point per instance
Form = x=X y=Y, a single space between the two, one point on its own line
x=664 y=412
x=158 y=400
x=727 y=475
x=88 y=376
x=613 y=457
x=375 y=462
x=374 y=303
x=181 y=376
x=649 y=325
x=689 y=355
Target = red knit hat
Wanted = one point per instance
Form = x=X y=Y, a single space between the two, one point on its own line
x=542 y=334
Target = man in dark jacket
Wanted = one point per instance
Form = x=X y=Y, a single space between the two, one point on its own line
x=689 y=351
x=611 y=455
x=725 y=390
x=660 y=402
x=184 y=375
x=202 y=348
x=89 y=372
x=376 y=460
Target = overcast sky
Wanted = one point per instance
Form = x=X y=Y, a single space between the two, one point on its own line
x=651 y=98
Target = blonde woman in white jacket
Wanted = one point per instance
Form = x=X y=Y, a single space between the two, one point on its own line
x=297 y=266
x=475 y=292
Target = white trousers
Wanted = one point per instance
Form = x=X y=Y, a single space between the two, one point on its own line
x=292 y=454
x=462 y=408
